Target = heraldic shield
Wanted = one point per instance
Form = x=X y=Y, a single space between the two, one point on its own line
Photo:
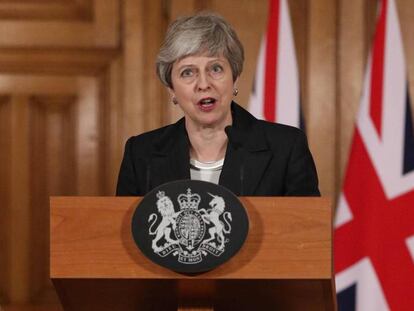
x=190 y=226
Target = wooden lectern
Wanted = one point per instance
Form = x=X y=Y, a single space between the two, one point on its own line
x=285 y=263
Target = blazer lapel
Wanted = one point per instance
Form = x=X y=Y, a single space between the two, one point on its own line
x=231 y=176
x=243 y=169
x=170 y=160
x=248 y=154
x=179 y=159
x=255 y=164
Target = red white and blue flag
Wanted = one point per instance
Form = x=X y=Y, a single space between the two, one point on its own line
x=374 y=227
x=276 y=91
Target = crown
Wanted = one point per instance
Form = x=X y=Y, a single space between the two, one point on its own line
x=189 y=200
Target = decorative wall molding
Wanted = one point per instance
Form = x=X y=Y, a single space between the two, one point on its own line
x=56 y=60
x=44 y=23
x=70 y=10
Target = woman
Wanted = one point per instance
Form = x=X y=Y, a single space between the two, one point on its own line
x=200 y=62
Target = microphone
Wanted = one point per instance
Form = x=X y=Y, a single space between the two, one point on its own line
x=237 y=142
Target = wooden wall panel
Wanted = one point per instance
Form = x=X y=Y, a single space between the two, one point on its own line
x=30 y=84
x=89 y=181
x=111 y=98
x=19 y=200
x=300 y=18
x=51 y=147
x=5 y=141
x=145 y=100
x=320 y=93
x=47 y=10
x=53 y=163
x=31 y=29
x=40 y=130
x=154 y=93
x=351 y=66
x=133 y=110
x=57 y=61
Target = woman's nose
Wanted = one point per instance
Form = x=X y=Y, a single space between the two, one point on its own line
x=203 y=81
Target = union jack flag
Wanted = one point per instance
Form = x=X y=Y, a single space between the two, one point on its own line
x=374 y=234
x=276 y=90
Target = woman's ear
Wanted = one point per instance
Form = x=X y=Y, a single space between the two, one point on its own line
x=171 y=91
x=172 y=95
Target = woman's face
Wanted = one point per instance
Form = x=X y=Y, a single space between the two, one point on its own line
x=203 y=87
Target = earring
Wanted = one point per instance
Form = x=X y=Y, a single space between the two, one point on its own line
x=235 y=91
x=174 y=100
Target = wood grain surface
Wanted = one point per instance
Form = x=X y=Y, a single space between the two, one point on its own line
x=288 y=238
x=95 y=262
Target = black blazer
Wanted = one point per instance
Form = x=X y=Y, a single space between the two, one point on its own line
x=262 y=159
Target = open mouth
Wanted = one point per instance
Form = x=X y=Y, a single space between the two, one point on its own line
x=207 y=103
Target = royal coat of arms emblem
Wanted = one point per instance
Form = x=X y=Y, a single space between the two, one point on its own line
x=190 y=233
x=189 y=226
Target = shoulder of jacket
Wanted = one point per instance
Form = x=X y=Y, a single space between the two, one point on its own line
x=146 y=143
x=280 y=129
x=150 y=135
x=281 y=136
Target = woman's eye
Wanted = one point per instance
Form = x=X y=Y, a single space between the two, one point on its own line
x=217 y=68
x=186 y=73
